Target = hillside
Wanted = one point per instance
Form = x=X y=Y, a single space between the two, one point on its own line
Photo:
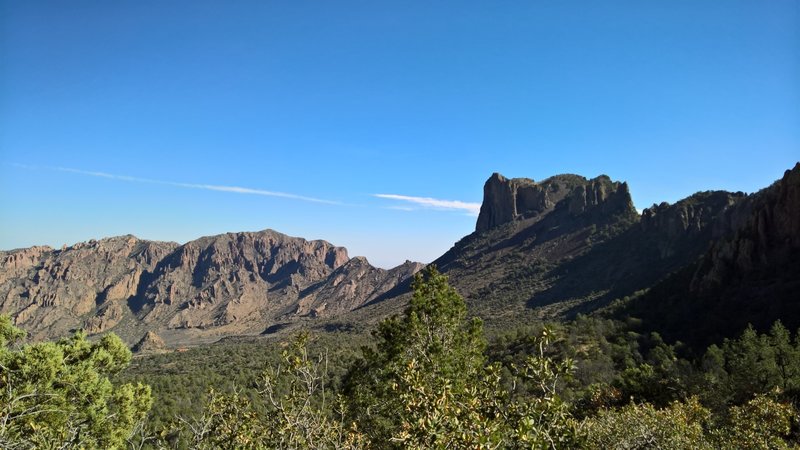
x=567 y=245
x=749 y=275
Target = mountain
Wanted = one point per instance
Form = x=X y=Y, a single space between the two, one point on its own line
x=750 y=274
x=230 y=284
x=567 y=245
x=696 y=270
x=525 y=232
x=48 y=292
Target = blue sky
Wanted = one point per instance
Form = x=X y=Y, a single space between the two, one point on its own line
x=173 y=120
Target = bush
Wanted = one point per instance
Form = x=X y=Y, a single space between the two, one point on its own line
x=58 y=394
x=679 y=426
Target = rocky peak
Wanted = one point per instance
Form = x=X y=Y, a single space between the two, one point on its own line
x=506 y=200
x=354 y=284
x=16 y=262
x=51 y=291
x=263 y=270
x=268 y=254
x=410 y=267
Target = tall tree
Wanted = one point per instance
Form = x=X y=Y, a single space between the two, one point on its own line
x=427 y=383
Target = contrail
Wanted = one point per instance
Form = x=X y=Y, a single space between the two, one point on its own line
x=426 y=202
x=207 y=187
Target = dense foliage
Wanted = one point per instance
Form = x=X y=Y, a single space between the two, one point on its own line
x=58 y=394
x=427 y=379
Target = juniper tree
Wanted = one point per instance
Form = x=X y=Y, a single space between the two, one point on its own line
x=59 y=394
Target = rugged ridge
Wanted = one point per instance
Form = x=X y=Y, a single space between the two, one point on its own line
x=50 y=292
x=568 y=245
x=749 y=275
x=767 y=233
x=356 y=281
x=705 y=215
x=258 y=272
x=696 y=270
x=216 y=286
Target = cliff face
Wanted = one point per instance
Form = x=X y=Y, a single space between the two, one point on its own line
x=506 y=200
x=695 y=221
x=234 y=278
x=236 y=283
x=526 y=230
x=50 y=292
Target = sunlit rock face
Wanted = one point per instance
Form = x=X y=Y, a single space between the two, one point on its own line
x=216 y=286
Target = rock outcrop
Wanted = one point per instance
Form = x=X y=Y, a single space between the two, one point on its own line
x=150 y=343
x=258 y=272
x=356 y=283
x=526 y=230
x=700 y=217
x=767 y=234
x=506 y=200
x=49 y=292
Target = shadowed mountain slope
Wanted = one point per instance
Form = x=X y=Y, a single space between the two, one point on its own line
x=750 y=274
x=568 y=245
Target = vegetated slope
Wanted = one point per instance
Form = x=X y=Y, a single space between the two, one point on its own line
x=750 y=275
x=568 y=244
x=525 y=231
x=230 y=284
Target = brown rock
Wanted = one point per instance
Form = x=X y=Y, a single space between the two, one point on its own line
x=49 y=292
x=150 y=343
x=353 y=285
x=235 y=283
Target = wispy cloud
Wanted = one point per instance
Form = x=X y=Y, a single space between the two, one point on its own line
x=433 y=203
x=401 y=208
x=207 y=187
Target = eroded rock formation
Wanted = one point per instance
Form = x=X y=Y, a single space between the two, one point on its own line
x=506 y=200
x=235 y=283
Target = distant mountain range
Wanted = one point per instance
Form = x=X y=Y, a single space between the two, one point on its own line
x=696 y=270
x=231 y=284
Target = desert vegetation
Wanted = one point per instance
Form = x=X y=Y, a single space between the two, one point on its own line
x=429 y=378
